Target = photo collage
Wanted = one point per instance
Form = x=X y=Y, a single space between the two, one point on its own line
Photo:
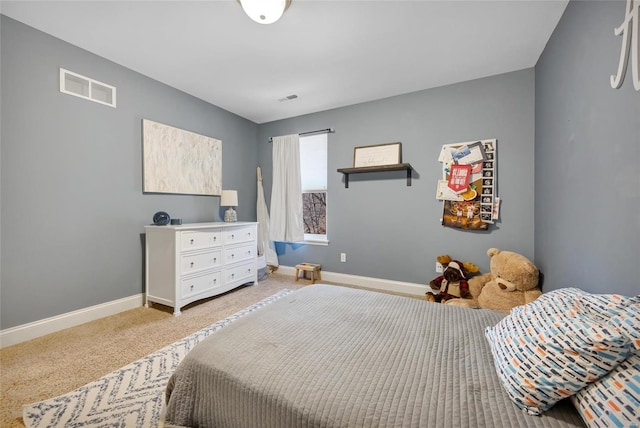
x=468 y=185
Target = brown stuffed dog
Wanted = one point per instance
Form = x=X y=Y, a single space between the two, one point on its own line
x=513 y=281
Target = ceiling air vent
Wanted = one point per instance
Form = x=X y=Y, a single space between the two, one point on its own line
x=80 y=86
x=288 y=98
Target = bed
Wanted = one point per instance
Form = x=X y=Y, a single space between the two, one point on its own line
x=329 y=356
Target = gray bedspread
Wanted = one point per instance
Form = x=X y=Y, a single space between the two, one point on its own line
x=329 y=356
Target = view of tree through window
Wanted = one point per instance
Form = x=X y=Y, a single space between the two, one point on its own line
x=314 y=213
x=313 y=175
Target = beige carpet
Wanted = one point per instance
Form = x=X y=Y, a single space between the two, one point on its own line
x=63 y=361
x=55 y=364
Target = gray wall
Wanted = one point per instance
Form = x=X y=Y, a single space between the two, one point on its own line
x=392 y=231
x=73 y=211
x=72 y=204
x=587 y=181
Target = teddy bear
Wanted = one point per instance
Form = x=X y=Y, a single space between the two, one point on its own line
x=452 y=284
x=513 y=281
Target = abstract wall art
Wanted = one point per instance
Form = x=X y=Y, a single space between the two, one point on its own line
x=179 y=161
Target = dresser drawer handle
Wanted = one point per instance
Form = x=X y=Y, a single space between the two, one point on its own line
x=191 y=288
x=191 y=264
x=191 y=241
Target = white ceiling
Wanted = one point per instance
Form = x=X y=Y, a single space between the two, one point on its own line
x=328 y=53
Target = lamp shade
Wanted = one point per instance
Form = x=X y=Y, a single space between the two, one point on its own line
x=265 y=11
x=229 y=198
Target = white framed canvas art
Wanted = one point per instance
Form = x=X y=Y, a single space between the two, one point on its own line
x=179 y=161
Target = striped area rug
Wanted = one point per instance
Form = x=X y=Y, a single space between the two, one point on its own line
x=131 y=396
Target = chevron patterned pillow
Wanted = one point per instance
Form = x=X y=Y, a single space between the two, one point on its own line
x=551 y=348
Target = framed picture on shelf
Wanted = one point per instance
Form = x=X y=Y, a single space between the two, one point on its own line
x=377 y=155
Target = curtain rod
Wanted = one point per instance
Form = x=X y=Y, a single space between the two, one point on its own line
x=319 y=131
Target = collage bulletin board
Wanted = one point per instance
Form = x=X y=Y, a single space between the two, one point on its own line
x=468 y=184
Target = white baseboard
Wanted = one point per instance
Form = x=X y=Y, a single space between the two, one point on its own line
x=366 y=282
x=24 y=332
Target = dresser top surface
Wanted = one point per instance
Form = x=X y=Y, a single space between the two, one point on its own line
x=192 y=226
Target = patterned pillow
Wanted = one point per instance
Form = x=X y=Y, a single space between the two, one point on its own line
x=628 y=323
x=551 y=348
x=605 y=306
x=620 y=312
x=614 y=400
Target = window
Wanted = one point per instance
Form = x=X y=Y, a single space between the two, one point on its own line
x=313 y=173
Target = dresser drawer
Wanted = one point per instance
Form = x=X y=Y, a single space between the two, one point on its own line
x=239 y=274
x=238 y=235
x=200 y=239
x=240 y=253
x=194 y=284
x=196 y=261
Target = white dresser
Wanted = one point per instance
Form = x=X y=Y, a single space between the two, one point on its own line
x=189 y=262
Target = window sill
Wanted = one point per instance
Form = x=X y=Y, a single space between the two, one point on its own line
x=322 y=242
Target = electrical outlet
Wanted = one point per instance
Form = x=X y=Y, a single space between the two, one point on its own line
x=439 y=267
x=343 y=257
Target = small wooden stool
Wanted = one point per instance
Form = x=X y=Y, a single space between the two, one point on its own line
x=308 y=267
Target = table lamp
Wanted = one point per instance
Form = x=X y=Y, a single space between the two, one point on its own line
x=229 y=198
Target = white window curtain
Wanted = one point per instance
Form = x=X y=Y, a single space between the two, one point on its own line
x=286 y=223
x=266 y=247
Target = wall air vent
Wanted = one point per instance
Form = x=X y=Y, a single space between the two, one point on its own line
x=80 y=86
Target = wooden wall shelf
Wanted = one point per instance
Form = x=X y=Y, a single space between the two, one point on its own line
x=383 y=168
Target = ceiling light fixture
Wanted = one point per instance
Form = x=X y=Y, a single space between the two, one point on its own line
x=265 y=11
